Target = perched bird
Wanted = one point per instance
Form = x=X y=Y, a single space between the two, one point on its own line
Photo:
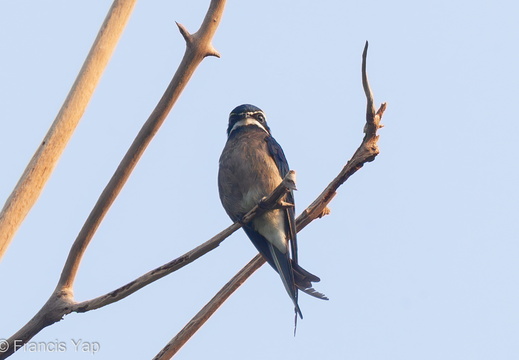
x=252 y=165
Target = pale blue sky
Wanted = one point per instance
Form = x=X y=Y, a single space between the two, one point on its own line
x=420 y=254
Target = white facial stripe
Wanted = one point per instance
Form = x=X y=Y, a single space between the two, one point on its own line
x=248 y=121
x=249 y=113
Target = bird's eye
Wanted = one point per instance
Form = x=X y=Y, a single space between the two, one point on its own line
x=260 y=118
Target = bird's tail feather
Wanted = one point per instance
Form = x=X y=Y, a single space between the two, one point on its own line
x=284 y=268
x=304 y=279
x=312 y=292
x=289 y=271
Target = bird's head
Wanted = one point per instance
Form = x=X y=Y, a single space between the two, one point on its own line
x=247 y=115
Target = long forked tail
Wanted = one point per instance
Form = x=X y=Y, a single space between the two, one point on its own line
x=304 y=279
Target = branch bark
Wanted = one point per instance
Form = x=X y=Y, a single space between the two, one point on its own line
x=209 y=309
x=38 y=171
x=366 y=152
x=61 y=301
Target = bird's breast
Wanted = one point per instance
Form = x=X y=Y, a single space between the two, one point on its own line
x=247 y=172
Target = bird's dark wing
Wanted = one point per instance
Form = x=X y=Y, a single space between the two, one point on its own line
x=279 y=261
x=278 y=155
x=303 y=279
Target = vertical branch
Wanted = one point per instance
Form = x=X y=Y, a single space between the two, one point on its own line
x=31 y=183
x=370 y=107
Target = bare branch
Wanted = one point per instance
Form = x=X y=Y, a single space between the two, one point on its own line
x=366 y=152
x=209 y=309
x=198 y=46
x=38 y=171
x=370 y=107
x=56 y=306
x=156 y=274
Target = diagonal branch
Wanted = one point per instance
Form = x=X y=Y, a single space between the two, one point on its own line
x=198 y=46
x=209 y=309
x=366 y=152
x=61 y=301
x=38 y=171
